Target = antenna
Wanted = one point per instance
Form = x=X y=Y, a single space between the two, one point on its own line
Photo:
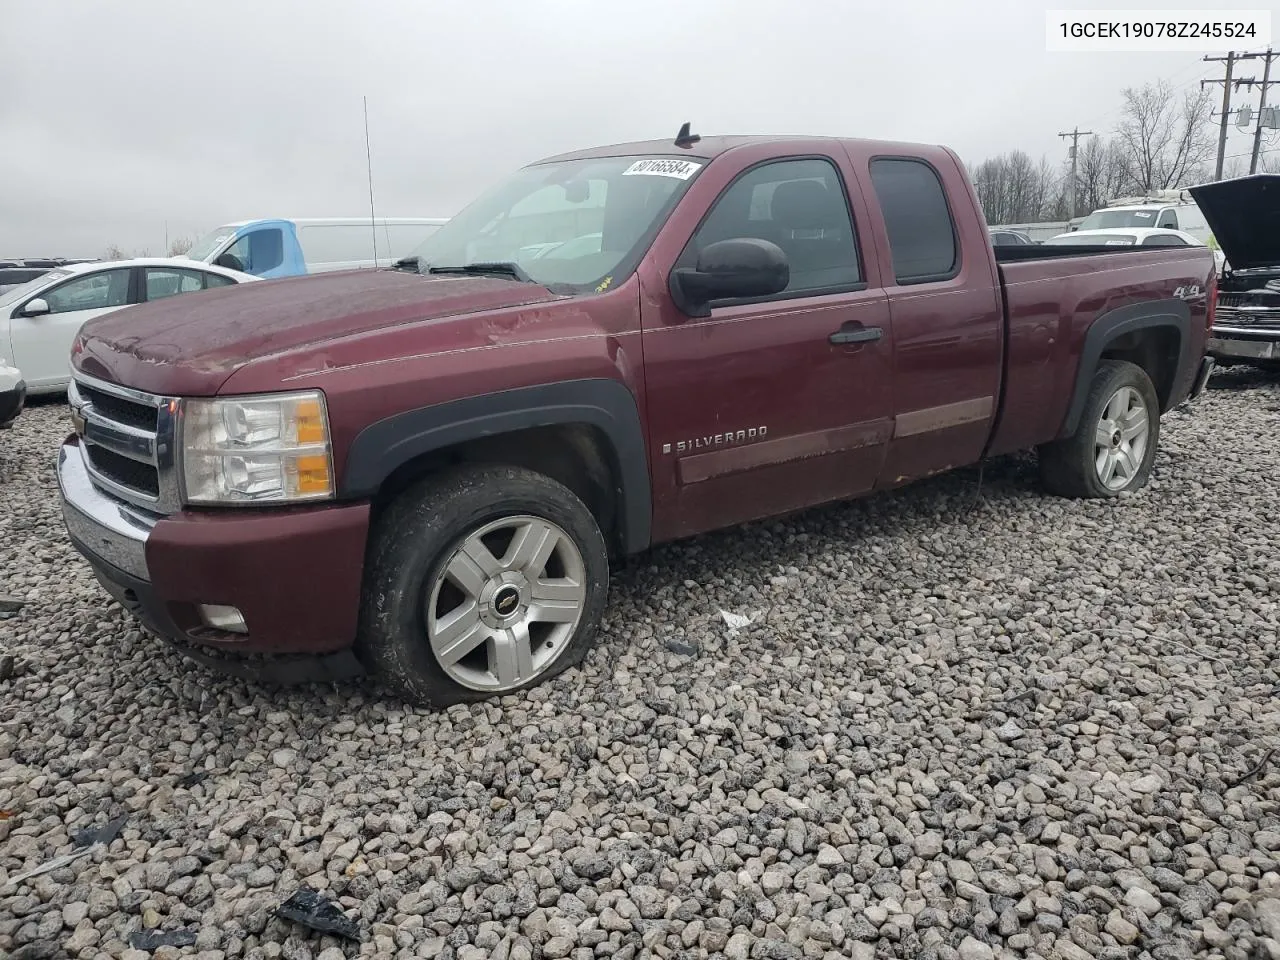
x=368 y=154
x=684 y=138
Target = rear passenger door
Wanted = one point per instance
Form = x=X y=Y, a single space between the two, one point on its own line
x=947 y=316
x=754 y=410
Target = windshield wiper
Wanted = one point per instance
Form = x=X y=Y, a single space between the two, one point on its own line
x=504 y=268
x=408 y=263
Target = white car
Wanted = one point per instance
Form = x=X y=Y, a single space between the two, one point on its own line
x=40 y=319
x=1133 y=236
x=12 y=394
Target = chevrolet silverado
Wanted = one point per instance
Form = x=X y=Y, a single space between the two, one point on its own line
x=424 y=472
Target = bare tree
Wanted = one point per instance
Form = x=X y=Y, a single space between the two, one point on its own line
x=1165 y=141
x=1100 y=173
x=114 y=252
x=1013 y=188
x=180 y=245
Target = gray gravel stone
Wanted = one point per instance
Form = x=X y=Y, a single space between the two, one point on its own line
x=862 y=769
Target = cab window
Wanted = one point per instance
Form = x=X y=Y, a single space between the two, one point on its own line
x=256 y=252
x=798 y=204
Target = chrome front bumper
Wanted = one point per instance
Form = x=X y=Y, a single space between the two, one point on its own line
x=101 y=525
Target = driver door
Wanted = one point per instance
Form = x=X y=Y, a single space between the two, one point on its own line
x=42 y=342
x=771 y=404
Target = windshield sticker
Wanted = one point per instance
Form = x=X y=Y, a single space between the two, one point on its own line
x=604 y=284
x=680 y=169
x=1144 y=214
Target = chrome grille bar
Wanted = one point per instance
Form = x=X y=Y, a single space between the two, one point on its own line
x=133 y=462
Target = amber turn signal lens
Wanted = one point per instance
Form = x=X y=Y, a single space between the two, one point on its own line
x=313 y=475
x=310 y=421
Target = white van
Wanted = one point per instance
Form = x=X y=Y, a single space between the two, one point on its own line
x=1166 y=209
x=290 y=248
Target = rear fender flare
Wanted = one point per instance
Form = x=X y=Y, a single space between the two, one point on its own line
x=382 y=447
x=1171 y=314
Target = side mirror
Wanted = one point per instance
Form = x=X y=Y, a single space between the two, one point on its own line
x=729 y=270
x=230 y=261
x=36 y=308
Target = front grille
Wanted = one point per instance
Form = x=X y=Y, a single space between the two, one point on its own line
x=123 y=471
x=1248 y=308
x=119 y=409
x=127 y=439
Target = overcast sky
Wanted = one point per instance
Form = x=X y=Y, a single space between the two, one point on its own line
x=130 y=114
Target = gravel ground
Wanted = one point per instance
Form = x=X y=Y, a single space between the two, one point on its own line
x=992 y=726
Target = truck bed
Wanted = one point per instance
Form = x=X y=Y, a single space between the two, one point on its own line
x=1052 y=301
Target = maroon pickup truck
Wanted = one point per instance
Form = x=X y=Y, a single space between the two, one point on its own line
x=425 y=471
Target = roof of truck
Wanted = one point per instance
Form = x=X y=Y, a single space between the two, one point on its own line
x=707 y=148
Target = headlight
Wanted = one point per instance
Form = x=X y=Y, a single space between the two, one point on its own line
x=269 y=448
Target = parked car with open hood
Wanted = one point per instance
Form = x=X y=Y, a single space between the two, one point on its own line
x=424 y=472
x=1244 y=214
x=39 y=319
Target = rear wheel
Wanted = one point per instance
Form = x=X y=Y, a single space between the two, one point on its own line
x=481 y=582
x=1114 y=446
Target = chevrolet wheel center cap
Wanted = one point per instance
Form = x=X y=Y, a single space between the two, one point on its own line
x=506 y=601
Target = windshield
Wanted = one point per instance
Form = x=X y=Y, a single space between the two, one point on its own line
x=14 y=294
x=203 y=248
x=1094 y=240
x=577 y=224
x=1104 y=219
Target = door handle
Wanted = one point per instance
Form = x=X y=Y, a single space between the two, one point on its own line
x=855 y=334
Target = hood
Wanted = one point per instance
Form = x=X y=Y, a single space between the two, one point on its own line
x=208 y=335
x=1244 y=215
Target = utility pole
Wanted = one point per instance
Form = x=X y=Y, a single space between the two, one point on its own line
x=1262 y=108
x=1230 y=59
x=1075 y=136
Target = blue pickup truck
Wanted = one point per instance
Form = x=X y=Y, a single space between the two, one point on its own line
x=292 y=248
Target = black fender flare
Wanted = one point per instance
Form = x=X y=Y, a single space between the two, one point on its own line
x=382 y=447
x=1173 y=314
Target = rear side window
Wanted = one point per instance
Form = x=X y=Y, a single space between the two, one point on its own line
x=165 y=282
x=922 y=235
x=1164 y=240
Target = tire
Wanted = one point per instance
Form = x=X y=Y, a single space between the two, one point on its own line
x=1076 y=466
x=420 y=588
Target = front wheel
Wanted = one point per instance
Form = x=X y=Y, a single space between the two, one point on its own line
x=481 y=582
x=1114 y=445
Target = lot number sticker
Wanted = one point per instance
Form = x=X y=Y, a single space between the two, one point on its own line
x=680 y=169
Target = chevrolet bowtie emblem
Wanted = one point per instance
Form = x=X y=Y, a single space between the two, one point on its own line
x=77 y=421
